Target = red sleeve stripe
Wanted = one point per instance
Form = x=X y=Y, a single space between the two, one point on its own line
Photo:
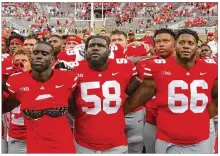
x=75 y=79
x=148 y=69
x=7 y=84
x=147 y=74
x=134 y=74
x=74 y=85
x=11 y=90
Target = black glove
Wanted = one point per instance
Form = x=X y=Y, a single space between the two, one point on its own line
x=63 y=65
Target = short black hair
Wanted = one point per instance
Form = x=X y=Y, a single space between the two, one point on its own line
x=44 y=42
x=190 y=32
x=64 y=37
x=118 y=32
x=31 y=37
x=97 y=36
x=15 y=35
x=166 y=31
x=203 y=45
x=58 y=36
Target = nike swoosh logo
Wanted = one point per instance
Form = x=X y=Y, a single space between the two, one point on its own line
x=58 y=86
x=203 y=73
x=113 y=74
x=139 y=121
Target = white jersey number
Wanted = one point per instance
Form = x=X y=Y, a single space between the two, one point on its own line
x=108 y=97
x=194 y=97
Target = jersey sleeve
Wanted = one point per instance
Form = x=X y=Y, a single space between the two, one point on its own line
x=7 y=65
x=132 y=67
x=151 y=67
x=12 y=83
x=140 y=68
x=72 y=80
x=212 y=66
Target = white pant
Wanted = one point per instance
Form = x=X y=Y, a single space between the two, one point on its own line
x=4 y=146
x=150 y=137
x=134 y=131
x=202 y=147
x=16 y=146
x=116 y=150
x=212 y=135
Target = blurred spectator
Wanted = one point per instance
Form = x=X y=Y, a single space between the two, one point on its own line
x=29 y=43
x=206 y=51
x=210 y=37
x=72 y=41
x=85 y=36
x=214 y=44
x=4 y=45
x=57 y=42
x=131 y=37
x=15 y=42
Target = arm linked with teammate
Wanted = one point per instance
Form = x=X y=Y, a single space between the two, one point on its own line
x=141 y=95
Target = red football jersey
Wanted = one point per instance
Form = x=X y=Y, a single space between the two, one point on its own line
x=100 y=122
x=117 y=51
x=67 y=55
x=17 y=128
x=151 y=107
x=45 y=135
x=71 y=55
x=7 y=64
x=135 y=51
x=182 y=98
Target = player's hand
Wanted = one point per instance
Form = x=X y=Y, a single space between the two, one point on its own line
x=63 y=65
x=135 y=43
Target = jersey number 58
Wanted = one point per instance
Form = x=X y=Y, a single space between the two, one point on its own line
x=100 y=104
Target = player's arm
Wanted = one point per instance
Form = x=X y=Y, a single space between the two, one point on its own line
x=9 y=104
x=135 y=60
x=213 y=107
x=134 y=83
x=72 y=103
x=142 y=94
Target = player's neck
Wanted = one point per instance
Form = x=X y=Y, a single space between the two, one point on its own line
x=188 y=64
x=42 y=76
x=101 y=68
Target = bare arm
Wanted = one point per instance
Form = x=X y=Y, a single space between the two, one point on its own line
x=72 y=103
x=144 y=93
x=213 y=107
x=135 y=60
x=9 y=104
x=133 y=85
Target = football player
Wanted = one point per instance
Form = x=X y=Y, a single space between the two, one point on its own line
x=186 y=97
x=43 y=96
x=102 y=87
x=164 y=45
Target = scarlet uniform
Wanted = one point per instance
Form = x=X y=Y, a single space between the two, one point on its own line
x=135 y=51
x=151 y=107
x=182 y=99
x=6 y=64
x=71 y=55
x=17 y=128
x=117 y=51
x=47 y=134
x=99 y=122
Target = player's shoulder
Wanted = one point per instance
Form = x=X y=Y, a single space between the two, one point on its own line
x=18 y=78
x=122 y=62
x=208 y=62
